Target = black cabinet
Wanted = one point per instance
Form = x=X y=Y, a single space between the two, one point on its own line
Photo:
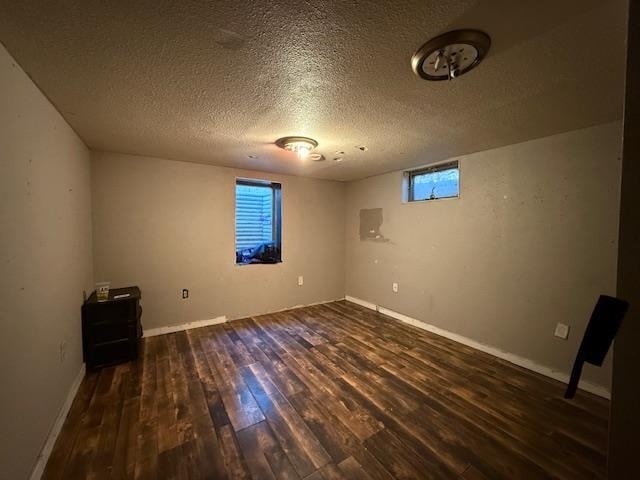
x=111 y=330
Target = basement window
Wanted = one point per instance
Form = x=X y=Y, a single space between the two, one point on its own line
x=258 y=222
x=433 y=183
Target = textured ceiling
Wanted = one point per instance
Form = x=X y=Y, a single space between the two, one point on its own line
x=215 y=82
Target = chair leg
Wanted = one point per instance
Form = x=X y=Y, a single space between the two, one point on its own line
x=575 y=378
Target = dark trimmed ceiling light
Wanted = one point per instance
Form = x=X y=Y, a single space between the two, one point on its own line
x=450 y=55
x=301 y=146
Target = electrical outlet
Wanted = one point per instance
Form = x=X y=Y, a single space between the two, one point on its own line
x=394 y=287
x=63 y=351
x=185 y=293
x=300 y=280
x=562 y=331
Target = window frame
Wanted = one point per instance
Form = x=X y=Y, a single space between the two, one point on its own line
x=276 y=214
x=409 y=175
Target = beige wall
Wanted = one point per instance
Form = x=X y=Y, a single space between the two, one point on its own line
x=531 y=242
x=166 y=225
x=45 y=253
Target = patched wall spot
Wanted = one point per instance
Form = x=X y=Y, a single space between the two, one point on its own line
x=370 y=225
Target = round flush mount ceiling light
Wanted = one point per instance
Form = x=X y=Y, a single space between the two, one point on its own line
x=450 y=55
x=302 y=146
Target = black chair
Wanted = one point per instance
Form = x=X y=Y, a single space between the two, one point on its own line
x=602 y=329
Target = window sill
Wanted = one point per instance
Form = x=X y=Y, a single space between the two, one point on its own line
x=258 y=263
x=427 y=200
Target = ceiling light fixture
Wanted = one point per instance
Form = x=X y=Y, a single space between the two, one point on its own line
x=450 y=55
x=302 y=146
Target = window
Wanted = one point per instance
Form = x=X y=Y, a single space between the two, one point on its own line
x=258 y=224
x=432 y=183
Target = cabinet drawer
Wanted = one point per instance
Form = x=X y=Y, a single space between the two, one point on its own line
x=111 y=353
x=108 y=332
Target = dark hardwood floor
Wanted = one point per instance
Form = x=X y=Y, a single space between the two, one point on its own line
x=325 y=392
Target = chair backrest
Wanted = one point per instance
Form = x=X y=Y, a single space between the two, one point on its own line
x=603 y=326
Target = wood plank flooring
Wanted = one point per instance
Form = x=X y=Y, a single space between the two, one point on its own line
x=331 y=391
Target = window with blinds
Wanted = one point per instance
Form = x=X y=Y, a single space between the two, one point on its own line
x=258 y=226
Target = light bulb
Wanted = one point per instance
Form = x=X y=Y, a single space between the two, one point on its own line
x=301 y=146
x=303 y=151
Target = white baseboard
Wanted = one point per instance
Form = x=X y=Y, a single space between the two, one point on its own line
x=43 y=457
x=152 y=332
x=295 y=307
x=496 y=352
x=362 y=303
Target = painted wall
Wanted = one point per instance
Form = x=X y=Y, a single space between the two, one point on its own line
x=45 y=253
x=166 y=225
x=530 y=242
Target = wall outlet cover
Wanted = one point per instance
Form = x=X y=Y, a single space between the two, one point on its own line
x=185 y=293
x=300 y=280
x=394 y=287
x=562 y=331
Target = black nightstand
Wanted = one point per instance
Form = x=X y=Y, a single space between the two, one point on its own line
x=111 y=330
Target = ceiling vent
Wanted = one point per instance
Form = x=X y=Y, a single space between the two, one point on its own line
x=450 y=55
